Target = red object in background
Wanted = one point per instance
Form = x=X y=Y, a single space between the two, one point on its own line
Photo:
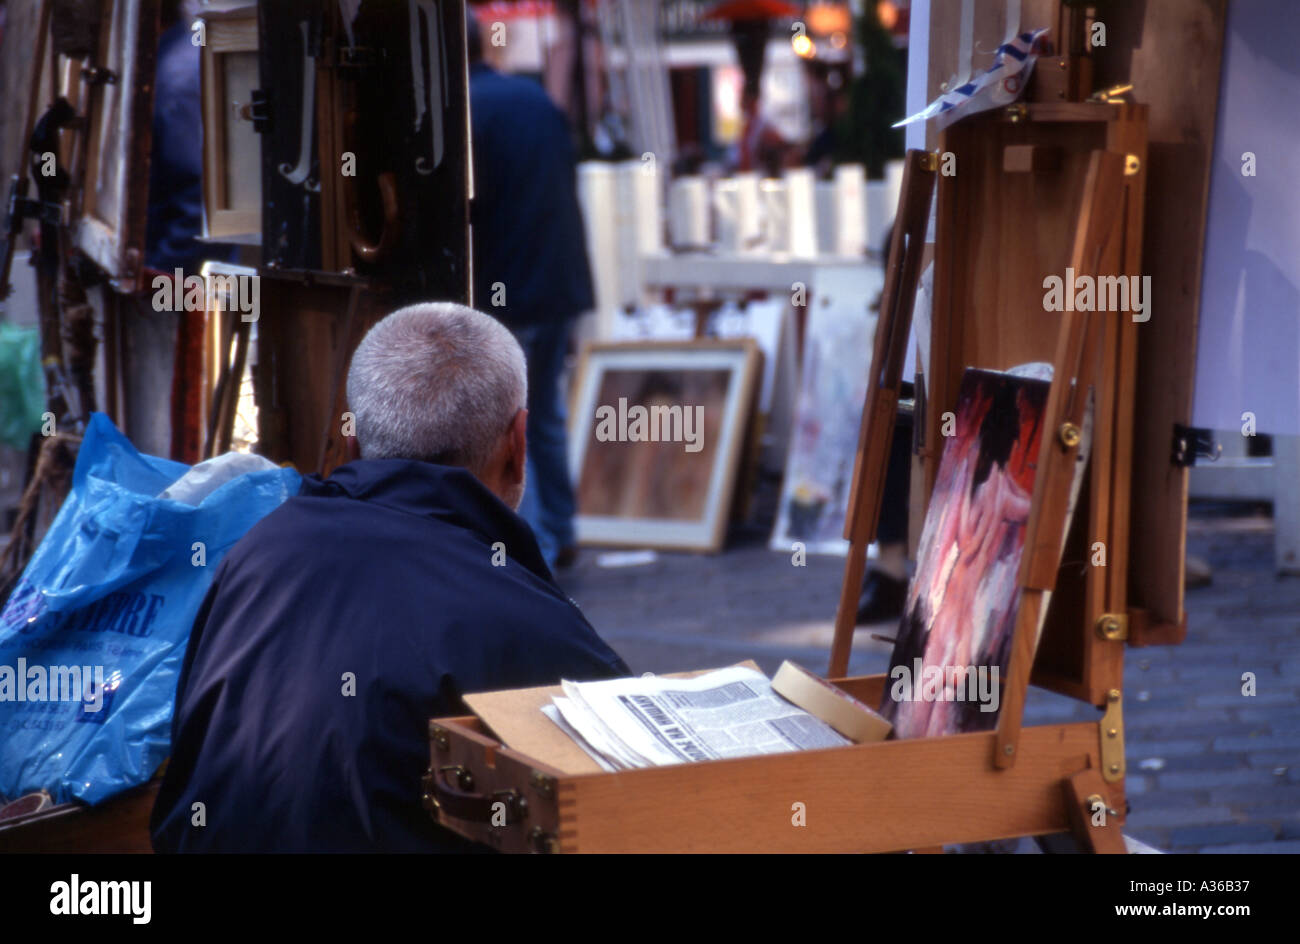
x=750 y=10
x=187 y=388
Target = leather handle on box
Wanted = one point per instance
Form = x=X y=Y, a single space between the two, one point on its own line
x=459 y=801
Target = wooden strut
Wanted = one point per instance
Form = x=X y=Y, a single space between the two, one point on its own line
x=875 y=435
x=1095 y=823
x=225 y=399
x=1074 y=368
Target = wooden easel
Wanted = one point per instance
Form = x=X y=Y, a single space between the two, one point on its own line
x=1086 y=357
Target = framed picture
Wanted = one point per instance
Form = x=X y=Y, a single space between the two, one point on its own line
x=823 y=439
x=111 y=226
x=656 y=431
x=232 y=149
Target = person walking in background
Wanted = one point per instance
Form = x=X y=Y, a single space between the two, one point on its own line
x=530 y=266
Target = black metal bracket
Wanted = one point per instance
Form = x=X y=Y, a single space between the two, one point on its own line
x=358 y=57
x=259 y=110
x=20 y=207
x=1191 y=443
x=98 y=75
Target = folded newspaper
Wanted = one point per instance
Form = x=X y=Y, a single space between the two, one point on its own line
x=653 y=721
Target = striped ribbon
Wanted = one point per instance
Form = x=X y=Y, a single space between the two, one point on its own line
x=1001 y=83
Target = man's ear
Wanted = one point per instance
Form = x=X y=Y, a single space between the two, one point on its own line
x=517 y=451
x=354 y=448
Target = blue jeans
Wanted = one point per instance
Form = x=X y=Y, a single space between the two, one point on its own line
x=548 y=505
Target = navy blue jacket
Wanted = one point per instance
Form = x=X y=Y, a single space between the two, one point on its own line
x=176 y=165
x=383 y=572
x=528 y=232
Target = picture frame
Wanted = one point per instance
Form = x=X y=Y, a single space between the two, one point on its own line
x=232 y=151
x=111 y=224
x=823 y=441
x=656 y=434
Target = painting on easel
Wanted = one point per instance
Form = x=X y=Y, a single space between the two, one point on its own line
x=954 y=639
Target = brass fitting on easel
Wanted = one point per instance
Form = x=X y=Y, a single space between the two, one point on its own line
x=1111 y=731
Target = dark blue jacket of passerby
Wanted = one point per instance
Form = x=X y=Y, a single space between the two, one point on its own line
x=530 y=250
x=333 y=631
x=176 y=166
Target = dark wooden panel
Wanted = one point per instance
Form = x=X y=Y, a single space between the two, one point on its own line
x=119 y=824
x=386 y=196
x=1142 y=41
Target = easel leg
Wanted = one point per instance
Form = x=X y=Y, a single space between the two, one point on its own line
x=1087 y=802
x=846 y=615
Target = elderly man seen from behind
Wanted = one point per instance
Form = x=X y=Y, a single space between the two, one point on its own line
x=368 y=604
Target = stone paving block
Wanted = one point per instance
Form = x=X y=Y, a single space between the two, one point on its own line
x=1156 y=675
x=1258 y=848
x=1236 y=700
x=1167 y=726
x=1135 y=749
x=1274 y=759
x=1209 y=678
x=1205 y=779
x=1279 y=720
x=1221 y=834
x=1274 y=814
x=1192 y=815
x=1265 y=742
x=1278 y=794
x=1204 y=761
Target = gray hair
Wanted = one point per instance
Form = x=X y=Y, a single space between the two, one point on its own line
x=437 y=382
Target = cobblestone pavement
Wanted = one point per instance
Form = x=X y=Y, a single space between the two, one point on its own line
x=1210 y=769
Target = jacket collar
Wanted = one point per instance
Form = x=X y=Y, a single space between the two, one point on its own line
x=446 y=493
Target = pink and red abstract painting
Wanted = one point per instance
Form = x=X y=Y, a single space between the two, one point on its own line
x=954 y=640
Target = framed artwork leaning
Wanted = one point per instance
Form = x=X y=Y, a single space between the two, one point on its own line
x=656 y=431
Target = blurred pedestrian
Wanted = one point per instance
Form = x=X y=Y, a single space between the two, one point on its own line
x=530 y=266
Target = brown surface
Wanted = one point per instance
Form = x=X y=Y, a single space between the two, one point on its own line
x=516 y=718
x=1027 y=159
x=119 y=824
x=302 y=335
x=999 y=235
x=880 y=797
x=1107 y=838
x=1143 y=39
x=1077 y=355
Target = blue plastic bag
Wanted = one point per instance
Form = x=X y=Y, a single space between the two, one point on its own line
x=112 y=591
